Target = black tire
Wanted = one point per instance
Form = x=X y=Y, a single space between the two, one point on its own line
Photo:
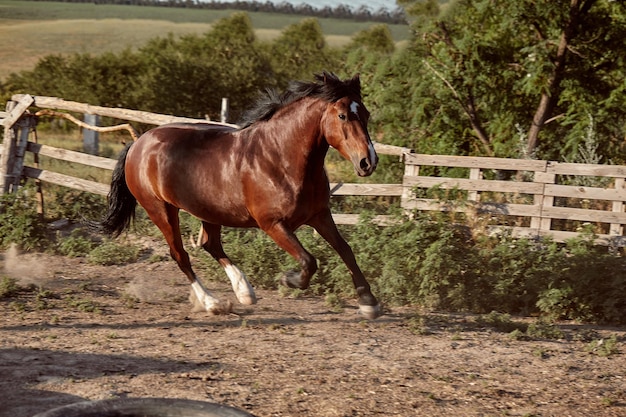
x=145 y=407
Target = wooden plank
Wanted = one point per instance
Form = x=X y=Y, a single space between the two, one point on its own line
x=474 y=185
x=352 y=219
x=585 y=215
x=23 y=103
x=544 y=177
x=366 y=189
x=72 y=156
x=385 y=149
x=592 y=193
x=505 y=209
x=557 y=235
x=476 y=162
x=124 y=114
x=67 y=181
x=561 y=168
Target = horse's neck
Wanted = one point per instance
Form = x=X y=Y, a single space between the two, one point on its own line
x=296 y=132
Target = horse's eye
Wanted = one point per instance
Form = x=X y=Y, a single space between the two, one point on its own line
x=342 y=116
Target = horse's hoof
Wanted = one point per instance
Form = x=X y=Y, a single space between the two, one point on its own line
x=371 y=312
x=292 y=279
x=221 y=308
x=246 y=299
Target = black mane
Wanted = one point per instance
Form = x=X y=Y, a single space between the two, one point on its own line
x=327 y=87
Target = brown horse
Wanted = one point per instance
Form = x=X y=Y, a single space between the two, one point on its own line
x=268 y=174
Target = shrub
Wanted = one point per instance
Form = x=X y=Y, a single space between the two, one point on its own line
x=74 y=205
x=8 y=287
x=75 y=245
x=587 y=283
x=112 y=253
x=20 y=223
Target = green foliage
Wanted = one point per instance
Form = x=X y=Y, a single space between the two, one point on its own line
x=604 y=347
x=544 y=330
x=74 y=205
x=20 y=223
x=376 y=39
x=477 y=69
x=501 y=322
x=586 y=284
x=75 y=245
x=257 y=255
x=113 y=253
x=83 y=305
x=301 y=51
x=8 y=287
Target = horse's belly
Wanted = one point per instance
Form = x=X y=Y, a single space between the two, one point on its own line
x=224 y=214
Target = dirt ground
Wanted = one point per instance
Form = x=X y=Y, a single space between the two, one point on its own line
x=94 y=332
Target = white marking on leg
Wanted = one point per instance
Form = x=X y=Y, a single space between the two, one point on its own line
x=371 y=312
x=241 y=286
x=209 y=303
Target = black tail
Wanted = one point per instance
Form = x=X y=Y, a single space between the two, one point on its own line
x=121 y=202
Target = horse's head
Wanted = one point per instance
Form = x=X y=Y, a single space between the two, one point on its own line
x=344 y=125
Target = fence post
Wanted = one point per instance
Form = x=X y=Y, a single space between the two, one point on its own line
x=12 y=158
x=91 y=137
x=618 y=207
x=410 y=170
x=542 y=224
x=7 y=150
x=224 y=112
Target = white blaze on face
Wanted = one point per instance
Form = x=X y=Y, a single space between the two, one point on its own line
x=354 y=108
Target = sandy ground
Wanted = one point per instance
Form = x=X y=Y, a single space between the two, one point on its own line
x=92 y=332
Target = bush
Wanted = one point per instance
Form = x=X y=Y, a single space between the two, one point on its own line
x=8 y=287
x=75 y=205
x=20 y=223
x=112 y=253
x=587 y=283
x=75 y=245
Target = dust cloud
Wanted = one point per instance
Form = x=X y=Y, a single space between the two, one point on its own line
x=25 y=271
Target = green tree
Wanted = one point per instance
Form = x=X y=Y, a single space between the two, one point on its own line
x=190 y=75
x=490 y=70
x=301 y=51
x=376 y=39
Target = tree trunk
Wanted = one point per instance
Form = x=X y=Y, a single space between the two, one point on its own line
x=550 y=97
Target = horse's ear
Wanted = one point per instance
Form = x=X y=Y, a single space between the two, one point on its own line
x=357 y=80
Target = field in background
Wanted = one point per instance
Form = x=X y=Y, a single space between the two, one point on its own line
x=30 y=30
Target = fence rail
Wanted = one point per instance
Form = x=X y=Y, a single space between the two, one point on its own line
x=549 y=192
x=544 y=198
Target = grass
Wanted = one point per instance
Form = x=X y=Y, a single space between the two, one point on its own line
x=31 y=30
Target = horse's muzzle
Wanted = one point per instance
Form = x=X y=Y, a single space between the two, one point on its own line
x=366 y=166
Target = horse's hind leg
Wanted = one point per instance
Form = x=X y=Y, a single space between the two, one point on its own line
x=212 y=243
x=166 y=219
x=325 y=226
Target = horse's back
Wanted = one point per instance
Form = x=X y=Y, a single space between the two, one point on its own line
x=195 y=167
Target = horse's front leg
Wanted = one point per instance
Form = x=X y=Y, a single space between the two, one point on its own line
x=288 y=241
x=326 y=227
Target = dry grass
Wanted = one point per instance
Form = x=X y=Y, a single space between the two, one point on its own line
x=32 y=30
x=23 y=43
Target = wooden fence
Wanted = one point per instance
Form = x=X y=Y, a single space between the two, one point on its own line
x=540 y=198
